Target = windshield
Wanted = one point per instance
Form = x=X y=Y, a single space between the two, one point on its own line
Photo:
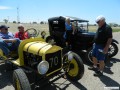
x=81 y=26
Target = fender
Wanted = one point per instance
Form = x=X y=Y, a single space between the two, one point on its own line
x=115 y=41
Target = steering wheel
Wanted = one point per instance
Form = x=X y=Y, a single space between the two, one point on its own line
x=32 y=32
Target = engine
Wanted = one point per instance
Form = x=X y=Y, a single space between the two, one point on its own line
x=32 y=60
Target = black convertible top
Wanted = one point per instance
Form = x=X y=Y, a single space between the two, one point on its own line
x=56 y=18
x=77 y=19
x=71 y=18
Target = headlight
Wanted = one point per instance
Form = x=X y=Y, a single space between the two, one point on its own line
x=70 y=55
x=43 y=67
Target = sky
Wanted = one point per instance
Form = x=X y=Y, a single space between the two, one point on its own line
x=41 y=10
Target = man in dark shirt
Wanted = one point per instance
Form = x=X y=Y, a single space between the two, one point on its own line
x=102 y=40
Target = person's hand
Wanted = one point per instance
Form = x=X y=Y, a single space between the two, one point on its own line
x=10 y=40
x=105 y=50
x=73 y=33
x=14 y=41
x=6 y=40
x=66 y=43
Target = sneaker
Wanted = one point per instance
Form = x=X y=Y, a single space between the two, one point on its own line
x=93 y=68
x=8 y=57
x=98 y=73
x=1 y=61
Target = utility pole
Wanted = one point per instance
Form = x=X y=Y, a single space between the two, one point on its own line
x=18 y=18
x=8 y=18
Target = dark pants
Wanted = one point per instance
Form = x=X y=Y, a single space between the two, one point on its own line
x=69 y=36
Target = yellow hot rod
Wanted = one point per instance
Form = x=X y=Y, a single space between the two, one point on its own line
x=42 y=60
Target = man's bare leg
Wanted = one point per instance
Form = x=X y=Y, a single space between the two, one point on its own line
x=95 y=62
x=94 y=67
x=102 y=65
x=101 y=68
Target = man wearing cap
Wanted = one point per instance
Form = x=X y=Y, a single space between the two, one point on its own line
x=7 y=41
x=102 y=41
x=21 y=34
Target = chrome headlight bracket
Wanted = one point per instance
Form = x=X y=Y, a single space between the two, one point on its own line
x=70 y=55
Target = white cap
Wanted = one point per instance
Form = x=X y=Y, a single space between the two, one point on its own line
x=100 y=17
x=20 y=25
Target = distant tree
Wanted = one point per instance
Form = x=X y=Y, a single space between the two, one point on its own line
x=95 y=25
x=45 y=23
x=34 y=22
x=6 y=21
x=113 y=24
x=41 y=22
x=14 y=22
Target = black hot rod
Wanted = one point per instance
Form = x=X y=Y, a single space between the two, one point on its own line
x=82 y=38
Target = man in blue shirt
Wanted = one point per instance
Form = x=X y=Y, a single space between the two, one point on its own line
x=7 y=41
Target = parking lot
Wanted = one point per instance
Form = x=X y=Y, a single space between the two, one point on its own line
x=111 y=77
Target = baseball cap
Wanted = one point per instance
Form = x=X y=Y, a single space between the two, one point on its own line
x=20 y=25
x=100 y=17
x=4 y=26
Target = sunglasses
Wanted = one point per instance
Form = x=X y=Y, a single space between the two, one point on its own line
x=19 y=27
x=98 y=22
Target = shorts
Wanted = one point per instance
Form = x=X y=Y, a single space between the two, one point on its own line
x=95 y=52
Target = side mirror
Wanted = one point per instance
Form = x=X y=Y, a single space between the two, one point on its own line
x=43 y=34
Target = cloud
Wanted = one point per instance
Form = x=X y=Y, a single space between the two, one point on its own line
x=4 y=8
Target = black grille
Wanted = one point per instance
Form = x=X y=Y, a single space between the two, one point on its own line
x=32 y=60
x=54 y=60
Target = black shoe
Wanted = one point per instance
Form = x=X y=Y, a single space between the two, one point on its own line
x=98 y=73
x=1 y=61
x=92 y=68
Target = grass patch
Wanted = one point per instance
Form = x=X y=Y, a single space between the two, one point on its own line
x=116 y=30
x=113 y=28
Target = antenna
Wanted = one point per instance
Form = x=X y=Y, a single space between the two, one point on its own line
x=18 y=18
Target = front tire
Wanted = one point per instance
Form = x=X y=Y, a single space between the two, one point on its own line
x=75 y=68
x=20 y=80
